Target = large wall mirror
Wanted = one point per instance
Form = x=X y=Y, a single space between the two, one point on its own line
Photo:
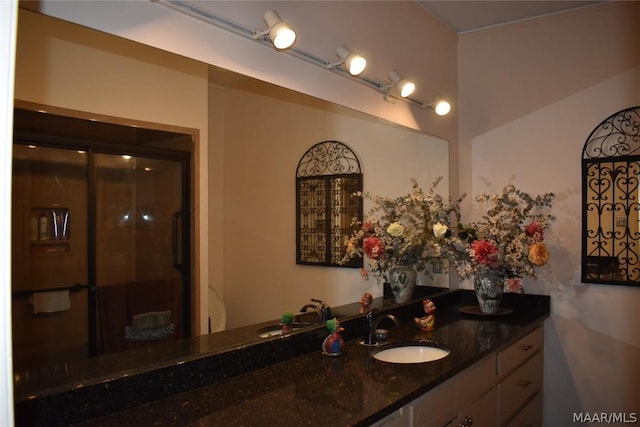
x=611 y=197
x=257 y=133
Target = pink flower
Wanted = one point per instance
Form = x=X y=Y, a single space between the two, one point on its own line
x=535 y=231
x=373 y=247
x=484 y=252
x=514 y=284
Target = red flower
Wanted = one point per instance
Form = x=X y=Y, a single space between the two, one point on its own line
x=535 y=231
x=367 y=227
x=373 y=247
x=484 y=252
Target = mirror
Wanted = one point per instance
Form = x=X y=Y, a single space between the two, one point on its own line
x=257 y=132
x=611 y=201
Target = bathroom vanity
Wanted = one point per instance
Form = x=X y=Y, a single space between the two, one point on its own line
x=491 y=377
x=503 y=389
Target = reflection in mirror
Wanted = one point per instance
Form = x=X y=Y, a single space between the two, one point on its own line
x=328 y=175
x=610 y=192
x=244 y=139
x=99 y=262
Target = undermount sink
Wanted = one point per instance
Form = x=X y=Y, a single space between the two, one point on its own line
x=419 y=352
x=276 y=330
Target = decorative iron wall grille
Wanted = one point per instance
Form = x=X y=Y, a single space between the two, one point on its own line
x=610 y=200
x=327 y=176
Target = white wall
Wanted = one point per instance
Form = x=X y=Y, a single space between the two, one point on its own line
x=531 y=93
x=265 y=136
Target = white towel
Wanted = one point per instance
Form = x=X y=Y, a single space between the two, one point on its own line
x=50 y=302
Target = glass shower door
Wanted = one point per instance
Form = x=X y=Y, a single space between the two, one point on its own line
x=49 y=256
x=140 y=241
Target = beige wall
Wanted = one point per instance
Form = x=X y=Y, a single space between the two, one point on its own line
x=531 y=93
x=67 y=66
x=264 y=137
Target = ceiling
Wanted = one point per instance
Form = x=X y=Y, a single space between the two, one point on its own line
x=466 y=16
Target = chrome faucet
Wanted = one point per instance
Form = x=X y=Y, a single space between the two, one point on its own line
x=371 y=324
x=306 y=308
x=323 y=312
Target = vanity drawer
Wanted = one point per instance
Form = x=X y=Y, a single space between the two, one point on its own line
x=517 y=354
x=519 y=387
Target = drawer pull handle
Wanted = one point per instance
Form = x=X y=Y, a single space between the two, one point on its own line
x=526 y=347
x=525 y=383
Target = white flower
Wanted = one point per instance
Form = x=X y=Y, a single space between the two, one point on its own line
x=439 y=229
x=395 y=229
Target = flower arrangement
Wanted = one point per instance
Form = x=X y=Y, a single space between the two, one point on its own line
x=402 y=231
x=507 y=242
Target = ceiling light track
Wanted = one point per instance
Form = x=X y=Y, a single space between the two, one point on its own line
x=349 y=65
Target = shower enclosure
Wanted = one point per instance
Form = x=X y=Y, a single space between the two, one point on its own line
x=100 y=242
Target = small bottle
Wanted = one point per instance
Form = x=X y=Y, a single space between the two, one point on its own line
x=34 y=228
x=42 y=227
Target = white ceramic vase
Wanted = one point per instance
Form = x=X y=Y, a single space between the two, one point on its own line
x=403 y=282
x=489 y=287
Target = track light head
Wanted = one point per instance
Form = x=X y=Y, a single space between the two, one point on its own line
x=405 y=87
x=353 y=63
x=282 y=35
x=441 y=107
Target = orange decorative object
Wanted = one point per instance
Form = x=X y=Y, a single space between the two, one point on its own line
x=426 y=323
x=429 y=306
x=365 y=302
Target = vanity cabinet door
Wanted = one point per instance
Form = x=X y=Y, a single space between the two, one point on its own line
x=447 y=401
x=519 y=387
x=531 y=415
x=481 y=413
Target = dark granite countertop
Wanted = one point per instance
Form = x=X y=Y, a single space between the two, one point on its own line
x=244 y=386
x=64 y=377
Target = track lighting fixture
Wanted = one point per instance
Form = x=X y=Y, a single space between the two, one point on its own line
x=405 y=87
x=281 y=34
x=353 y=63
